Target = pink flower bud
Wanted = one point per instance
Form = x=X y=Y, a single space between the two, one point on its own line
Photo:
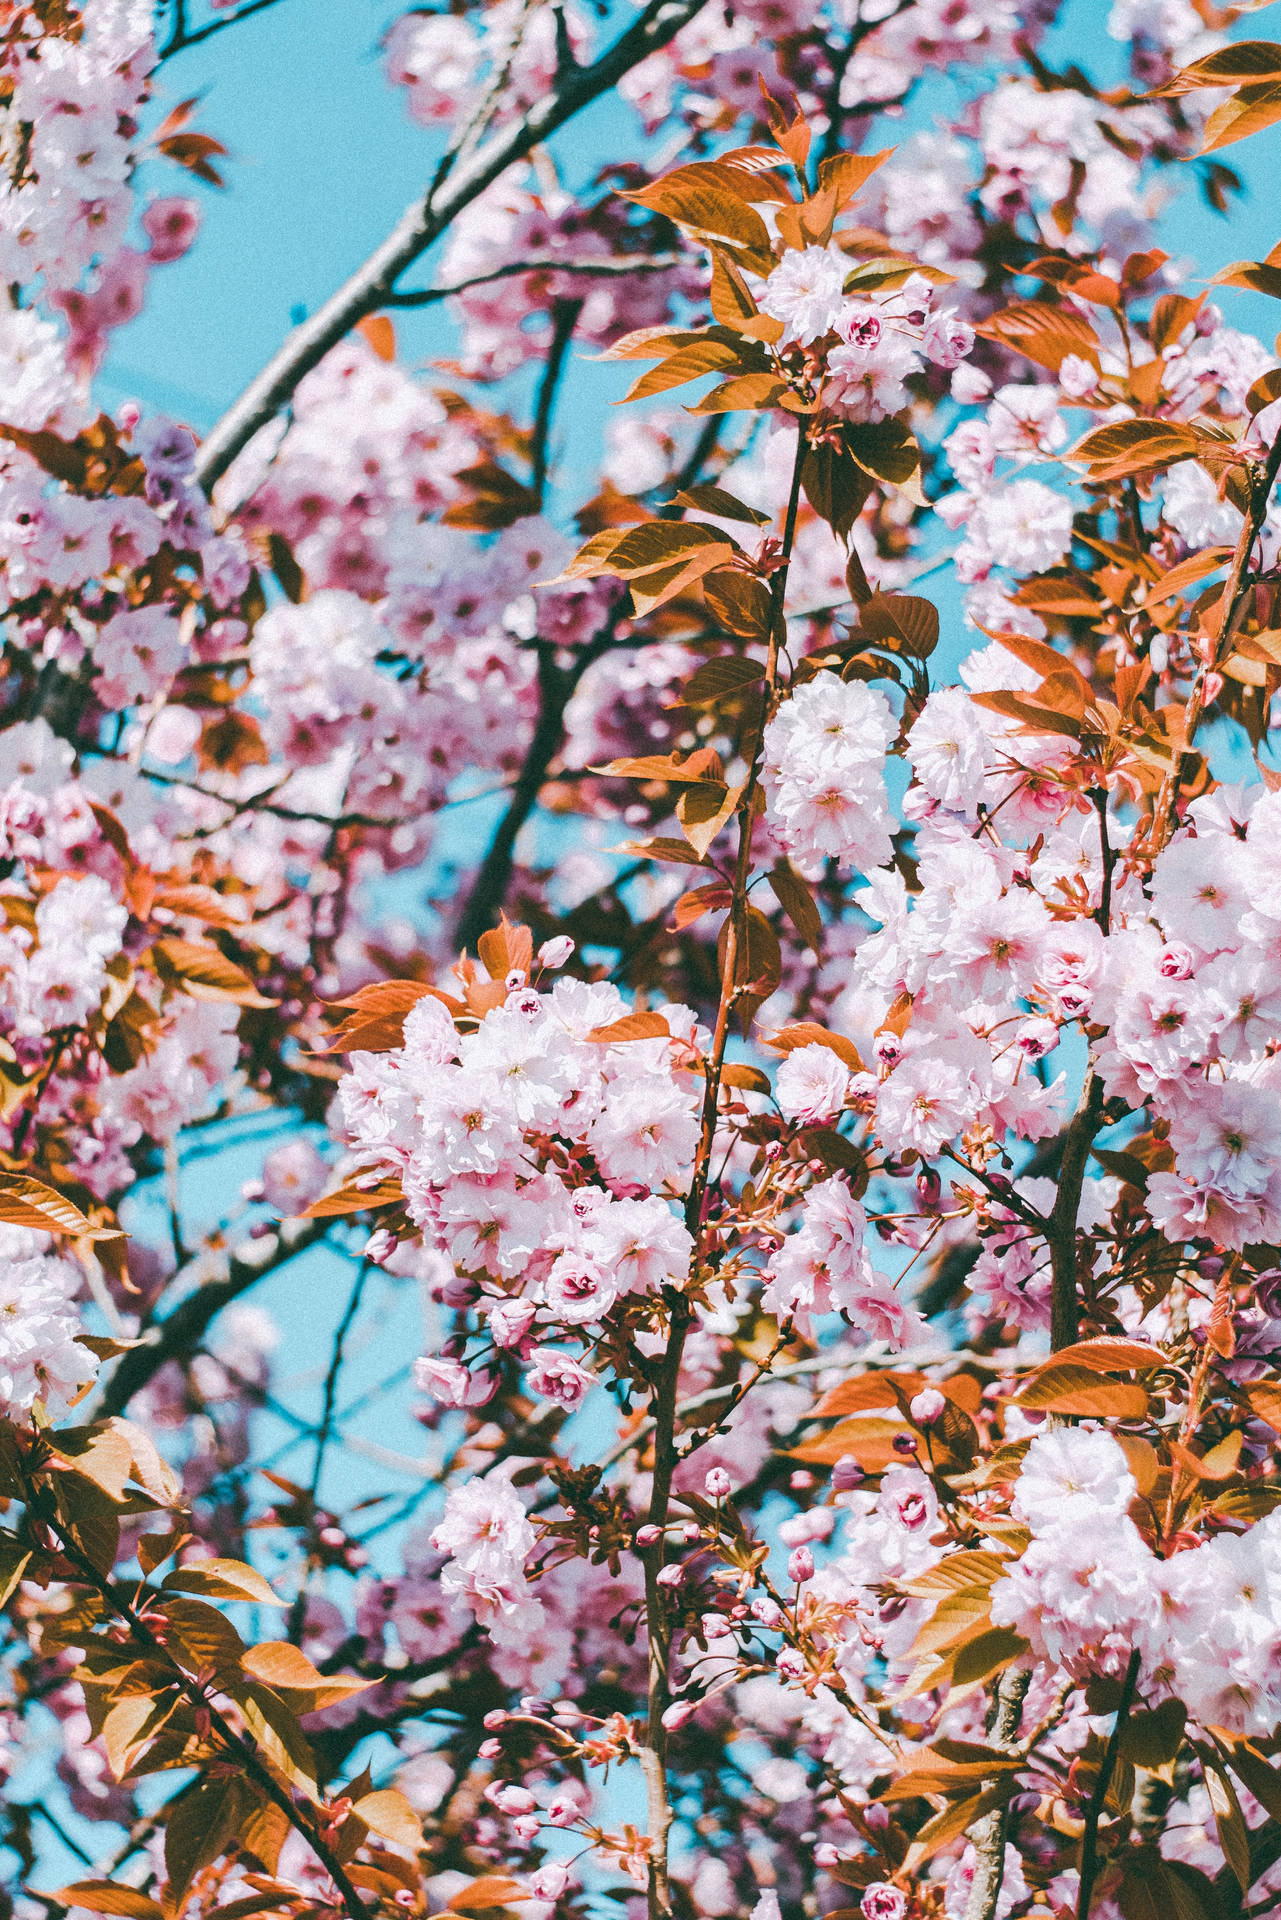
x=554 y=953
x=509 y=1798
x=927 y=1406
x=550 y=1881
x=445 y=1380
x=881 y=1901
x=847 y=1473
x=800 y=1565
x=718 y=1484
x=678 y=1713
x=767 y=1612
x=671 y=1576
x=648 y=1536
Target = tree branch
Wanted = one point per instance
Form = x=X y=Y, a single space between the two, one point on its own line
x=658 y=1621
x=621 y=266
x=564 y=319
x=988 y=1834
x=422 y=223
x=1090 y=1838
x=180 y=37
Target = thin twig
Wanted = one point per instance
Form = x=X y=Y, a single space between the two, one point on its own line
x=325 y=1430
x=621 y=268
x=181 y=38
x=665 y=1402
x=1090 y=1838
x=234 y=1744
x=181 y=1331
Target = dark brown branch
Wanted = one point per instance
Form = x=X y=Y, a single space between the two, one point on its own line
x=564 y=319
x=237 y=1746
x=489 y=889
x=623 y=267
x=1061 y=1226
x=181 y=37
x=422 y=224
x=1090 y=1838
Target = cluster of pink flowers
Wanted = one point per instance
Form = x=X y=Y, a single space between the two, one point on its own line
x=880 y=340
x=40 y=1357
x=542 y=1160
x=1087 y=1590
x=963 y=889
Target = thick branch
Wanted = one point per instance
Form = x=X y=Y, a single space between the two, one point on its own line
x=422 y=224
x=564 y=319
x=988 y=1834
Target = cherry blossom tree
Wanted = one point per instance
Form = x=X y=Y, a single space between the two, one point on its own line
x=824 y=1140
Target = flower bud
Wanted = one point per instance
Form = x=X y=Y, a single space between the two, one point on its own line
x=927 y=1406
x=648 y=1536
x=678 y=1713
x=552 y=1877
x=555 y=952
x=800 y=1565
x=847 y=1474
x=718 y=1484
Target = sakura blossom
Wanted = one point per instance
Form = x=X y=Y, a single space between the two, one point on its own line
x=640 y=1160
